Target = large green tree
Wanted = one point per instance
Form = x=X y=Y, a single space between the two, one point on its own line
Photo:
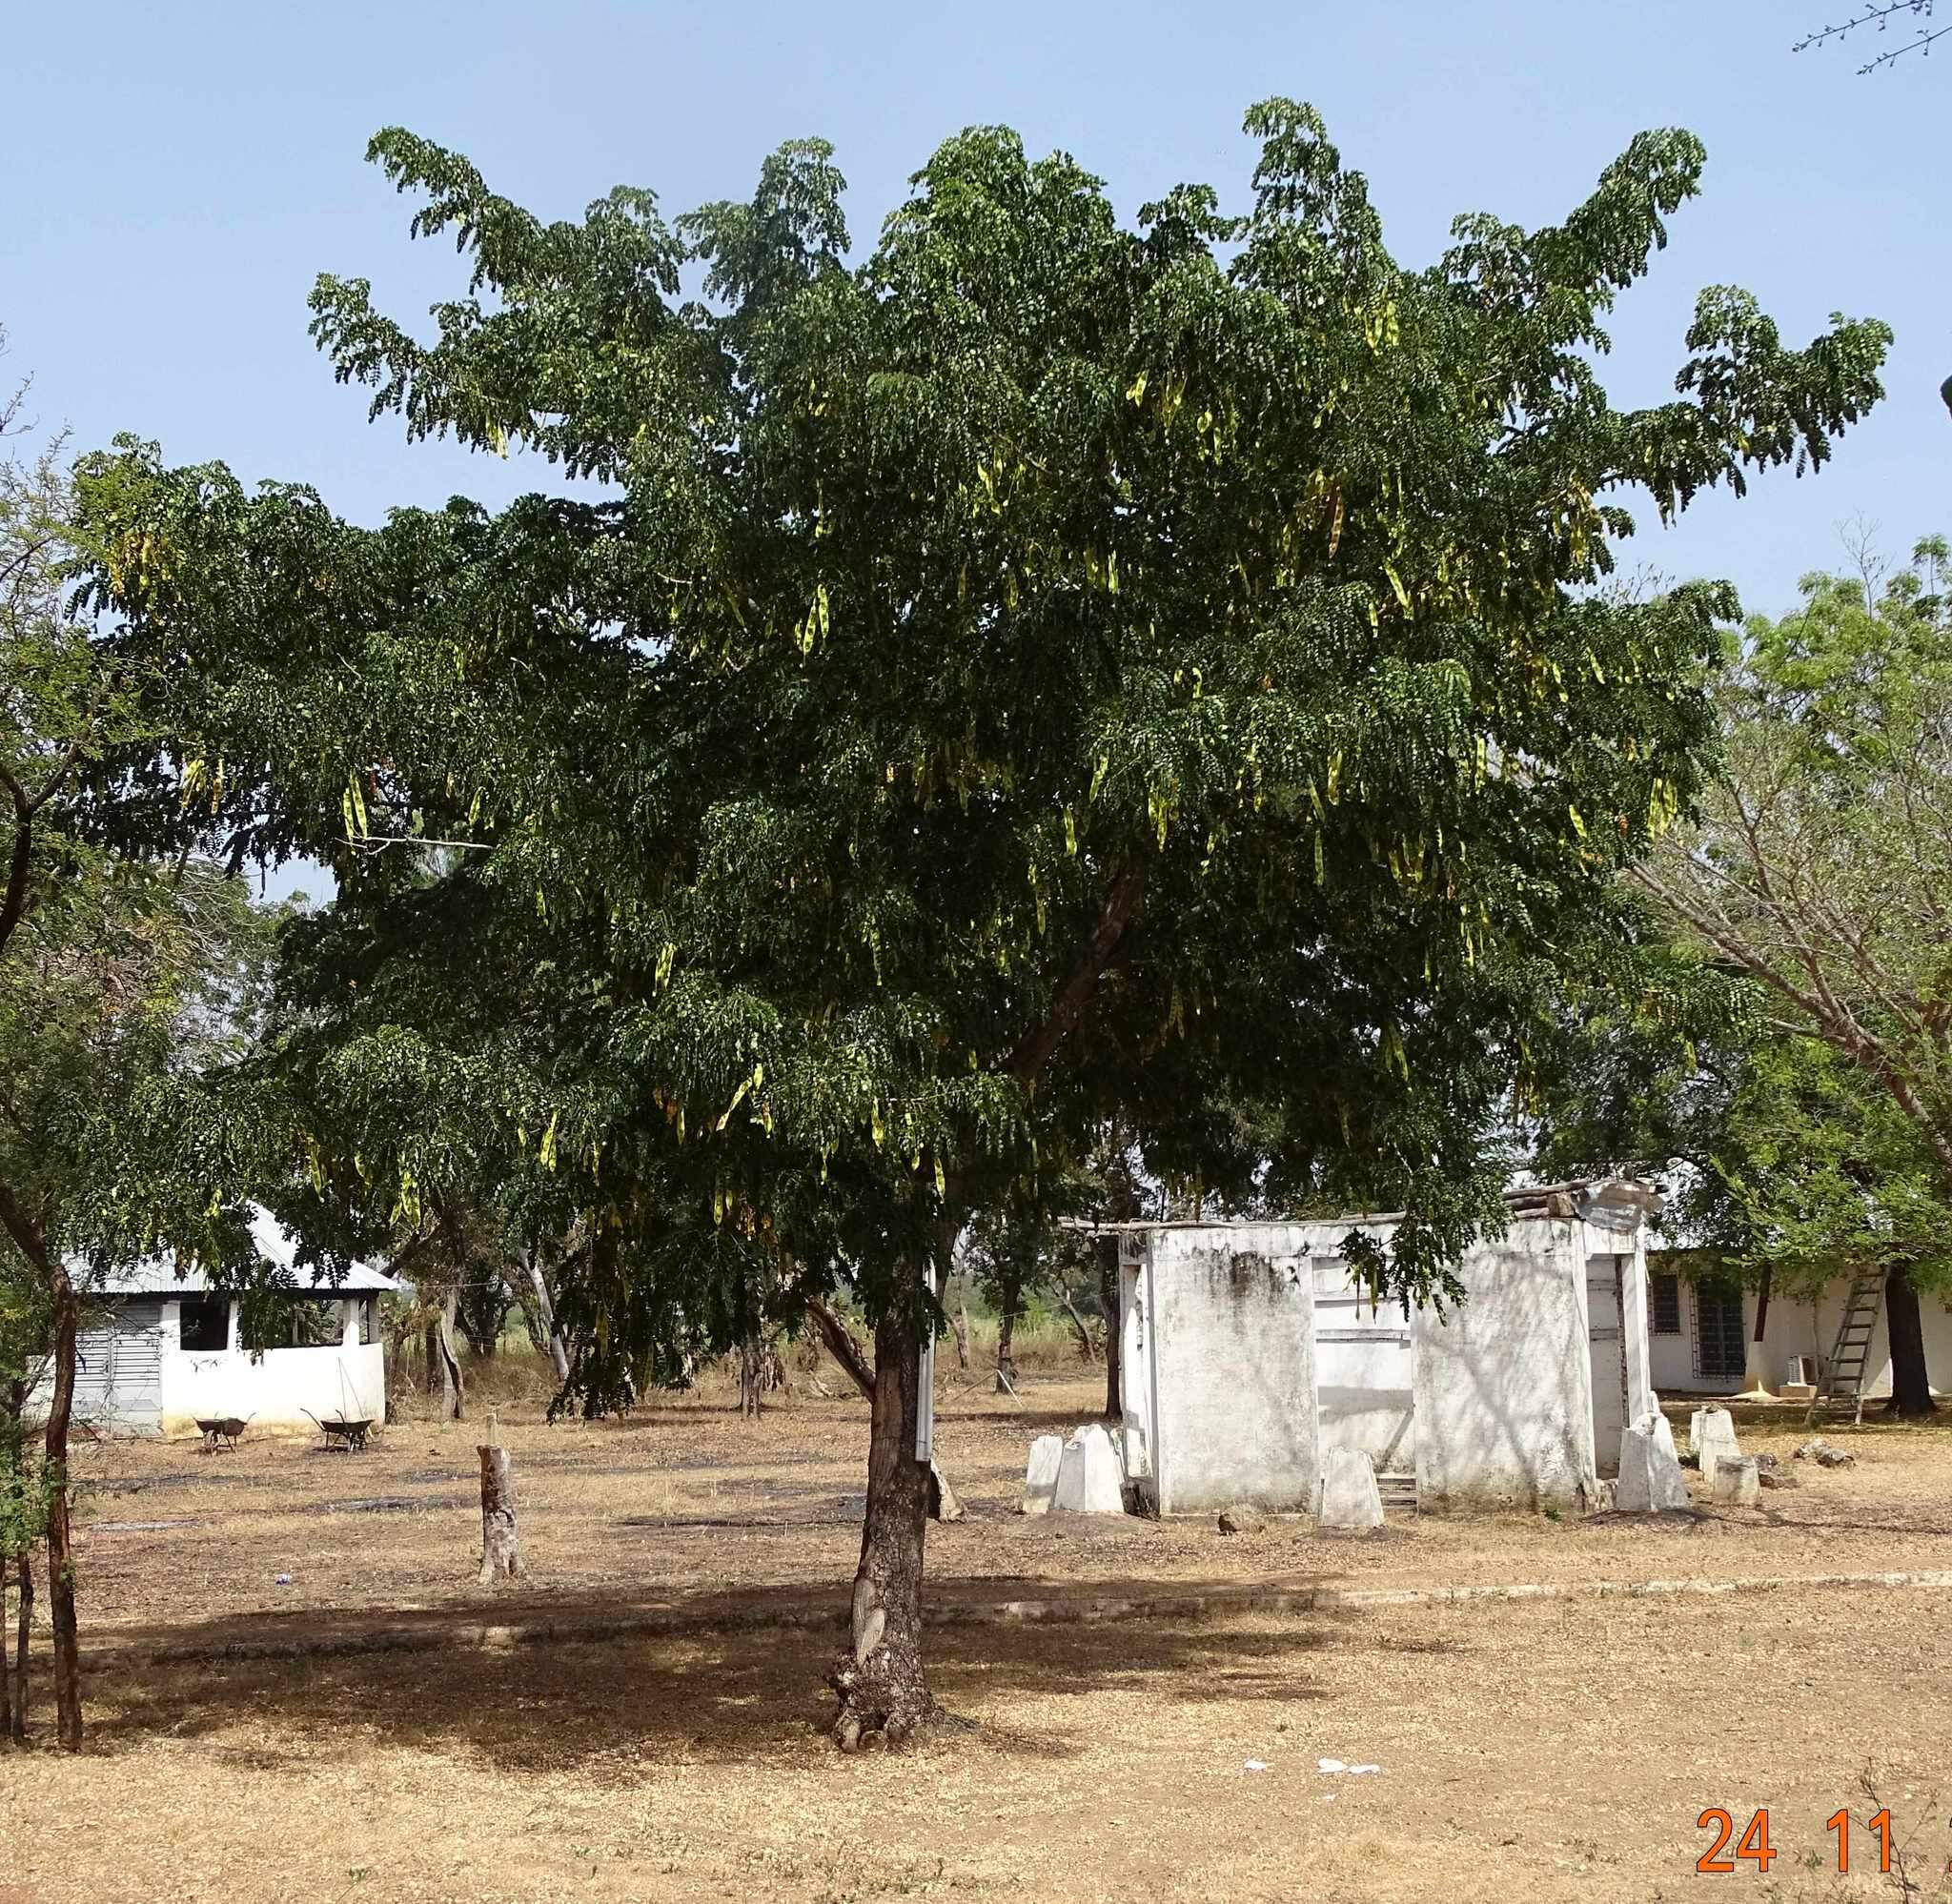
x=1033 y=671
x=1820 y=861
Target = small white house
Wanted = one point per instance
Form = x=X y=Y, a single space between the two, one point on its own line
x=162 y=1351
x=1249 y=1353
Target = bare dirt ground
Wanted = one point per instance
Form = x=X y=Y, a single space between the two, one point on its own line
x=1556 y=1747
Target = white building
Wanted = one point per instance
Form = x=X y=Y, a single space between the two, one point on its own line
x=1249 y=1353
x=1701 y=1334
x=162 y=1351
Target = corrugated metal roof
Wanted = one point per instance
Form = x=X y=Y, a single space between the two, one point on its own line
x=158 y=1276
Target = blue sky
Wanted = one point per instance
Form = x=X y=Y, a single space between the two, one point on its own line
x=177 y=172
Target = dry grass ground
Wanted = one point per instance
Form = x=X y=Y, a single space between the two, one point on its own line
x=1549 y=1749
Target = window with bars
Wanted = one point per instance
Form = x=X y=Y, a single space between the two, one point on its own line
x=1664 y=1304
x=1719 y=1352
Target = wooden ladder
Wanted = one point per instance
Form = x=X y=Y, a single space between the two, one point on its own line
x=1850 y=1354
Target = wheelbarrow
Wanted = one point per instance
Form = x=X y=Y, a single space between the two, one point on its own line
x=344 y=1431
x=221 y=1430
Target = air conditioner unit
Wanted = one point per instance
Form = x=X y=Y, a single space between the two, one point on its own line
x=1801 y=1371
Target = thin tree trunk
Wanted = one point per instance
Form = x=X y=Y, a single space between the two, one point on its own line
x=1088 y=1349
x=877 y=1676
x=1006 y=1333
x=390 y=1370
x=1107 y=1296
x=11 y=1480
x=67 y=1307
x=529 y=1289
x=430 y=1372
x=961 y=1324
x=751 y=1376
x=1911 y=1387
x=452 y=1404
x=25 y=1568
x=5 y=1660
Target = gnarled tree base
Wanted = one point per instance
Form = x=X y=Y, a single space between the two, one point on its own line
x=884 y=1701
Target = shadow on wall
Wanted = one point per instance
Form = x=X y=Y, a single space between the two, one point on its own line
x=1504 y=1385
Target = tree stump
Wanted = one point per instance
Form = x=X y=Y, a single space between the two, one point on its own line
x=501 y=1546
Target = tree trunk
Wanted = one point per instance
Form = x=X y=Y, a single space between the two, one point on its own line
x=961 y=1324
x=430 y=1372
x=390 y=1370
x=67 y=1307
x=13 y=1477
x=452 y=1408
x=5 y=1660
x=751 y=1376
x=529 y=1289
x=501 y=1544
x=1756 y=1373
x=20 y=1663
x=1107 y=1296
x=878 y=1677
x=1088 y=1349
x=1911 y=1387
x=1006 y=1333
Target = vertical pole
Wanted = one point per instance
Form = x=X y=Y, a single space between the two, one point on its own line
x=924 y=1401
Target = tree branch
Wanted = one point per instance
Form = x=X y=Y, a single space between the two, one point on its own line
x=839 y=1341
x=1122 y=904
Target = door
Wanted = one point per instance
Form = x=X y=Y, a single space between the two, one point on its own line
x=118 y=1374
x=1607 y=1344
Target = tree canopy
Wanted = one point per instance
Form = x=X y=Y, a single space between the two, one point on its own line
x=1822 y=860
x=1035 y=671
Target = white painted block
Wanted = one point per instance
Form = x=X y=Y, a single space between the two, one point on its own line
x=1349 y=1495
x=1712 y=1432
x=1040 y=1478
x=1089 y=1480
x=1738 y=1481
x=1650 y=1479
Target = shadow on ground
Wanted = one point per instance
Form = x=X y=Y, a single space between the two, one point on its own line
x=730 y=1695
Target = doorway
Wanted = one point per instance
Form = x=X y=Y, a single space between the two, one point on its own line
x=1607 y=1340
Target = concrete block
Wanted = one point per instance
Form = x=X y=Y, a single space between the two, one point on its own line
x=1089 y=1477
x=1711 y=1432
x=1736 y=1482
x=1349 y=1495
x=1650 y=1479
x=1040 y=1478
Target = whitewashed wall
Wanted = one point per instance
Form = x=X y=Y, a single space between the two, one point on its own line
x=1229 y=1333
x=1504 y=1386
x=275 y=1391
